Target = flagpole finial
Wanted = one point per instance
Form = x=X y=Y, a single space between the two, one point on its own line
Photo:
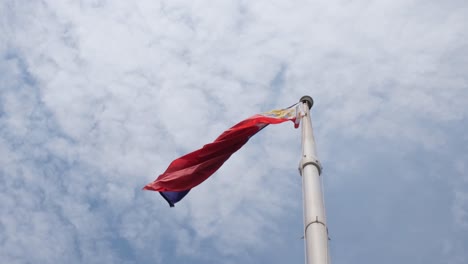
x=307 y=99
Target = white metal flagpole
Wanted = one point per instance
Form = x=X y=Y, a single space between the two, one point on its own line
x=315 y=225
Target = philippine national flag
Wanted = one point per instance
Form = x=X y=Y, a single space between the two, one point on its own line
x=192 y=169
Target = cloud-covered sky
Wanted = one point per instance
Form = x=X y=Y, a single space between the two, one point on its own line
x=98 y=97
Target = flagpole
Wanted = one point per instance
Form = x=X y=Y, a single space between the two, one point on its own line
x=315 y=226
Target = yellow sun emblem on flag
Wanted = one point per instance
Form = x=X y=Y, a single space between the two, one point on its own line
x=283 y=113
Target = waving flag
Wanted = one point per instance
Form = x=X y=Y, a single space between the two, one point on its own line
x=192 y=169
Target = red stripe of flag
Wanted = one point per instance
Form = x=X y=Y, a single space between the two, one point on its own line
x=192 y=169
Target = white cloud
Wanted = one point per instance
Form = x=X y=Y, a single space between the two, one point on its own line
x=98 y=97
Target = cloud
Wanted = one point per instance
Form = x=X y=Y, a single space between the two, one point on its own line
x=98 y=97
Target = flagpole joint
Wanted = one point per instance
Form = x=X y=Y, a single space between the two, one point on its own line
x=310 y=161
x=316 y=222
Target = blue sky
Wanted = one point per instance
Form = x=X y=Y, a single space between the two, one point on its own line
x=98 y=97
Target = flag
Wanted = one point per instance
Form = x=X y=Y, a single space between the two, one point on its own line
x=193 y=168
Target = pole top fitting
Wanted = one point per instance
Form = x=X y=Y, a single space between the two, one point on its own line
x=307 y=99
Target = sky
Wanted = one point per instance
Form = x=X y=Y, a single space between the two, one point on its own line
x=98 y=97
